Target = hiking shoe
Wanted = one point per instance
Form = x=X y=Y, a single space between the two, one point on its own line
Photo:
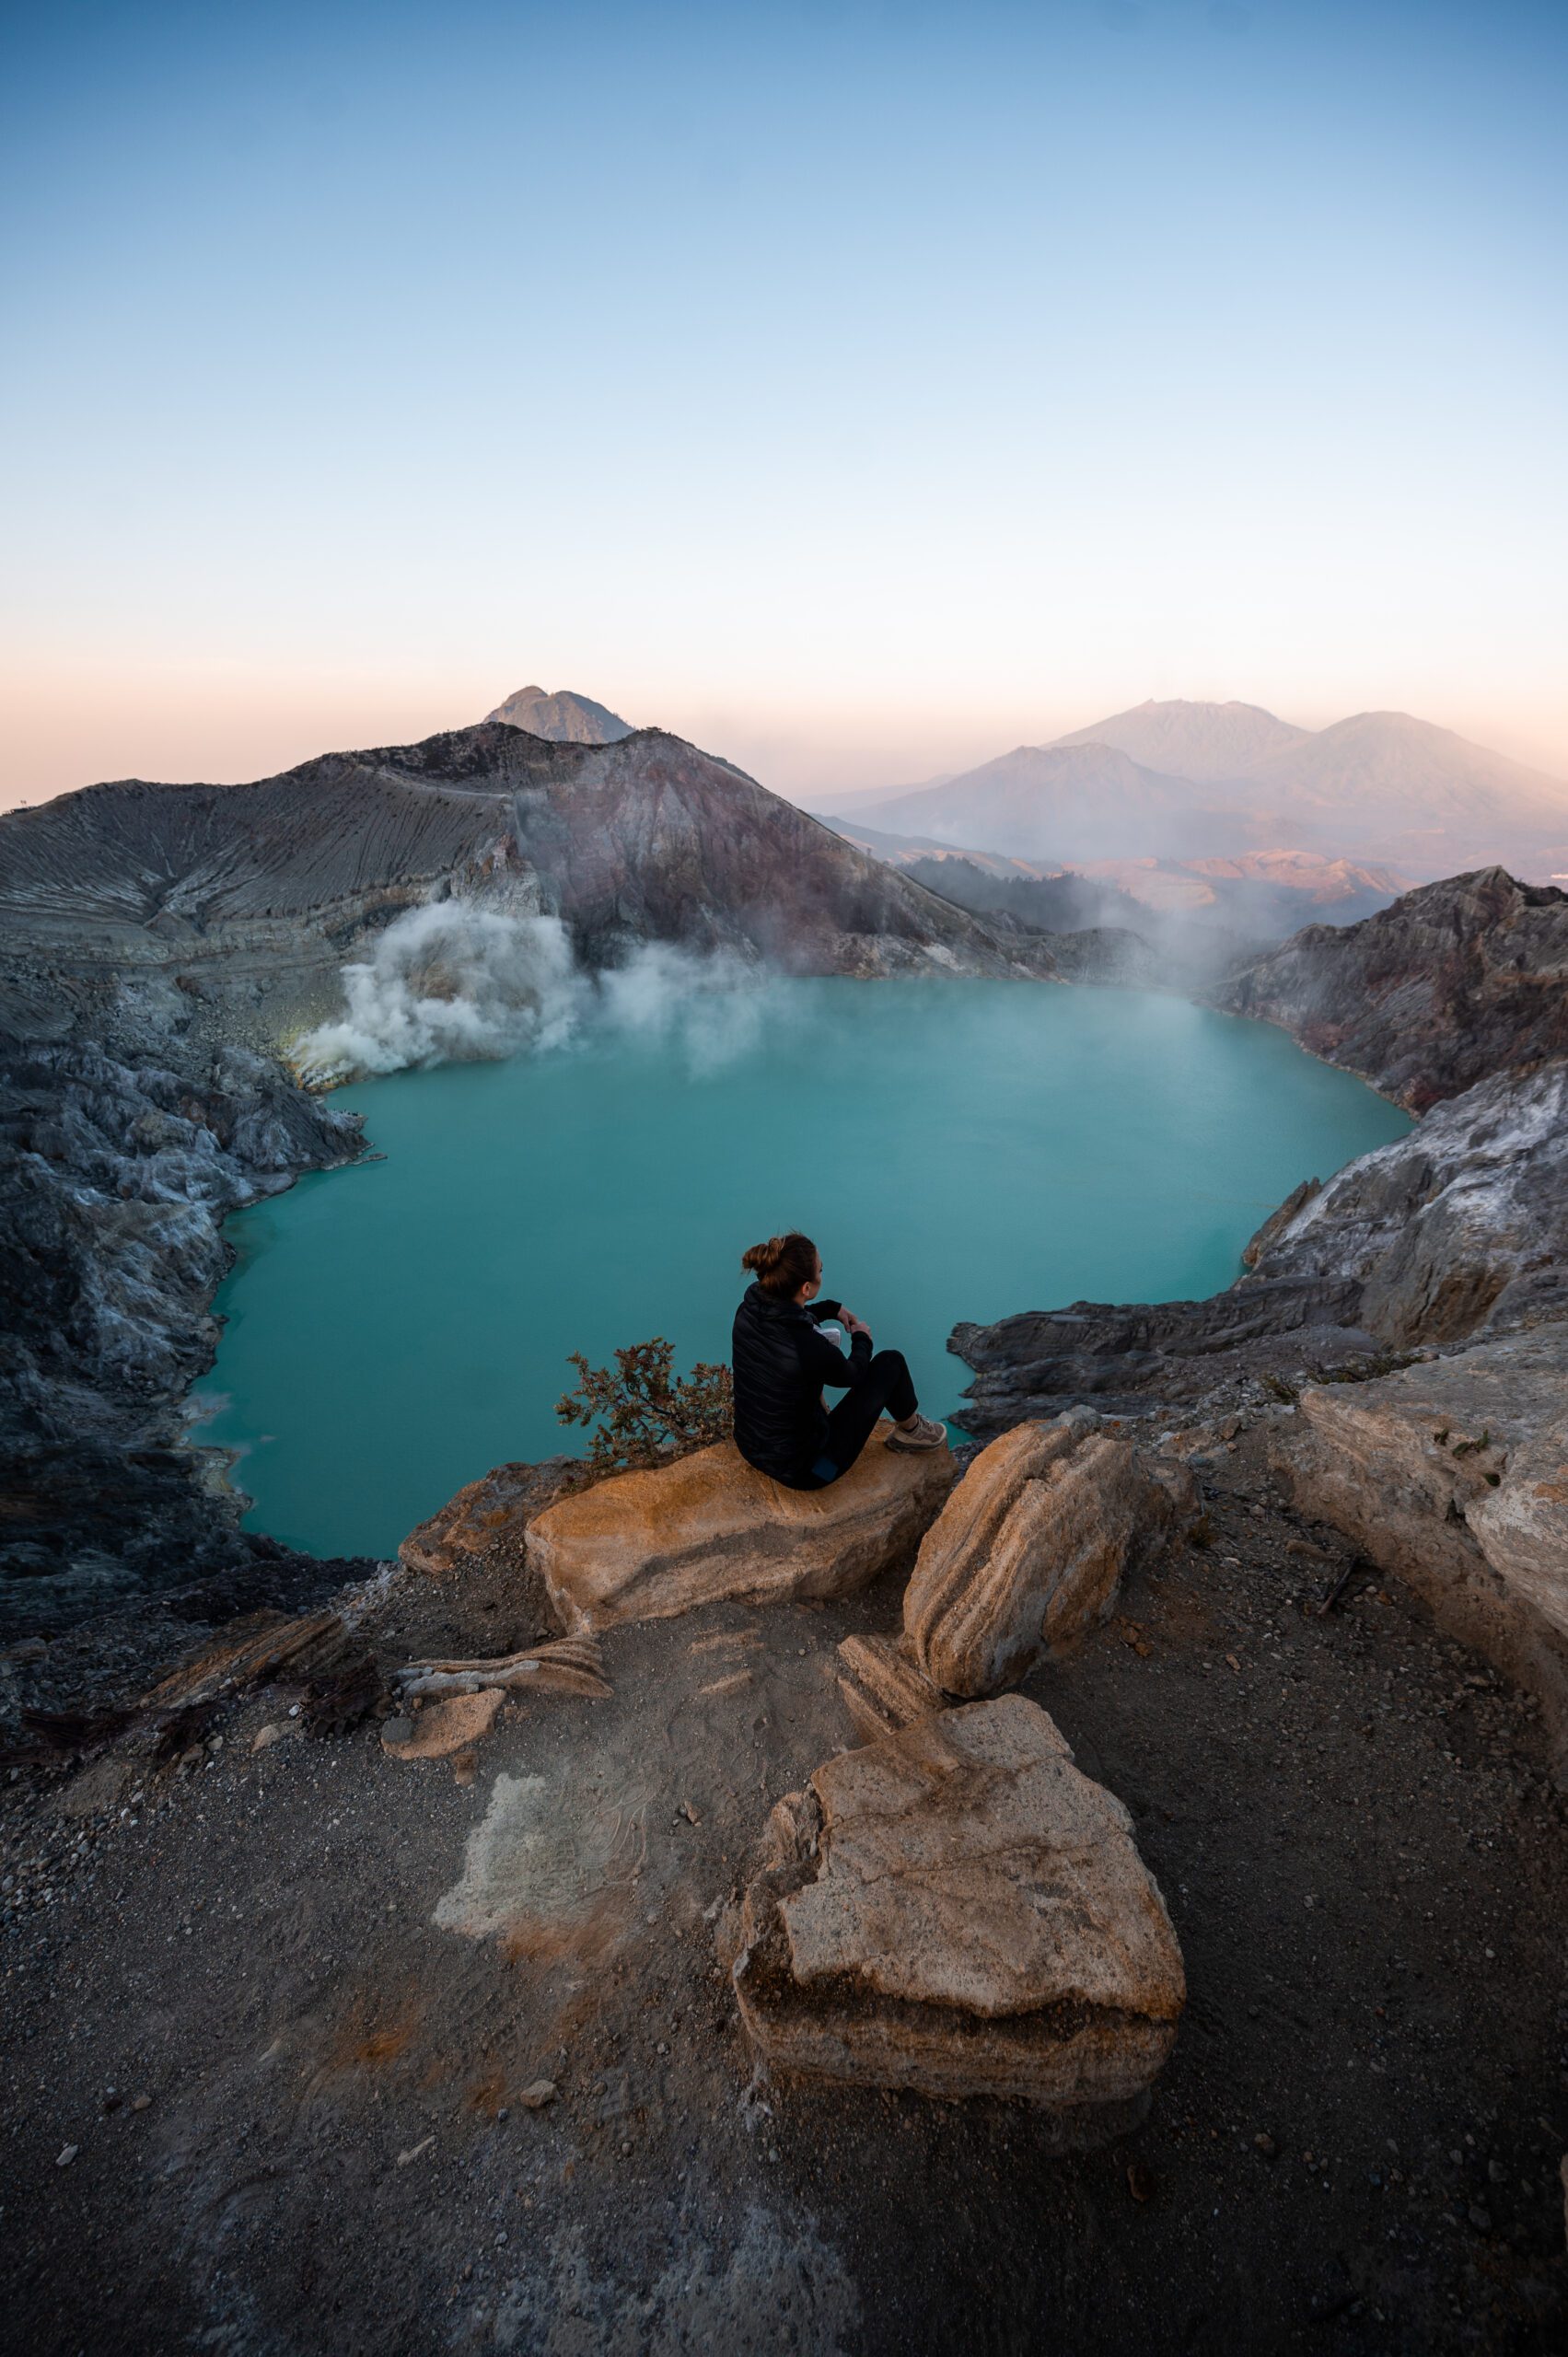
x=922 y=1434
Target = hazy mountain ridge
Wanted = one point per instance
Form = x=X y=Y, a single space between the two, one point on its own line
x=1204 y=780
x=1209 y=743
x=562 y=717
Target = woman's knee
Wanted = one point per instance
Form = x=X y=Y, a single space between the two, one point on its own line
x=890 y=1363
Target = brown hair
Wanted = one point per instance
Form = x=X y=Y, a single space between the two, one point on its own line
x=784 y=1263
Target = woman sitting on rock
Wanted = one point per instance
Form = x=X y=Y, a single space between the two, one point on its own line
x=782 y=1426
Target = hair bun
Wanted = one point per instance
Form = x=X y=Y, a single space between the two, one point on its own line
x=784 y=1263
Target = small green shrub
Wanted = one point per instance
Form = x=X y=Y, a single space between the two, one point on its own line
x=645 y=1415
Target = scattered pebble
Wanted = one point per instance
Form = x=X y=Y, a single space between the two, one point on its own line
x=535 y=2098
x=66 y=2154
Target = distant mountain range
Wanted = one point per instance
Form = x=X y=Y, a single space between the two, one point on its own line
x=564 y=718
x=1182 y=782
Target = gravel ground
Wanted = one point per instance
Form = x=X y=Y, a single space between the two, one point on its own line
x=260 y=2099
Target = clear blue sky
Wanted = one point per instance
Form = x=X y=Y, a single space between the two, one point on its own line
x=859 y=389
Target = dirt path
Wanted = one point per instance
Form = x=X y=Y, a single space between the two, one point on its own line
x=292 y=1956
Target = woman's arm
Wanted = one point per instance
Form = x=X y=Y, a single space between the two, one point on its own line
x=824 y=1363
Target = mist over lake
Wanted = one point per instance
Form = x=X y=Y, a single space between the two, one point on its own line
x=395 y=1328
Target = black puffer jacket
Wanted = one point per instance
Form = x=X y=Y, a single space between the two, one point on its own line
x=781 y=1363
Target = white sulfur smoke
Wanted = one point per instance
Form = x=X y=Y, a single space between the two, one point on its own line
x=450 y=983
x=453 y=983
x=713 y=1006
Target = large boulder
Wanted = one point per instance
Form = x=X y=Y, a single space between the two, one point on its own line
x=1029 y=1552
x=1454 y=1474
x=645 y=1545
x=957 y=1910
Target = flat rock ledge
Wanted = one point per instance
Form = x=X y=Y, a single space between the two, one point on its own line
x=1453 y=1475
x=957 y=1910
x=644 y=1546
x=1031 y=1549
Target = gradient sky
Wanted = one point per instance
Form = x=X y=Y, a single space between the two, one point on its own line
x=859 y=389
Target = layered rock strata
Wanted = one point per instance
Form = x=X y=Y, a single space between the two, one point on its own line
x=1454 y=1474
x=1028 y=1552
x=956 y=1909
x=643 y=1546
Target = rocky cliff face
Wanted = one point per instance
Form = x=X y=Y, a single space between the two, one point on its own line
x=115 y=1177
x=1456 y=1232
x=1452 y=983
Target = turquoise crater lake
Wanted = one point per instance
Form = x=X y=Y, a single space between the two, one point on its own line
x=958 y=1149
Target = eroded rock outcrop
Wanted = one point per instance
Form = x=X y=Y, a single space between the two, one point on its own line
x=487 y=1516
x=1029 y=1552
x=957 y=1910
x=1454 y=1474
x=1453 y=982
x=645 y=1545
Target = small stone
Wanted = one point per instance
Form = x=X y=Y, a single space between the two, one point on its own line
x=141 y=2103
x=535 y=2098
x=1266 y=2145
x=1140 y=2180
x=112 y=2099
x=1479 y=2219
x=692 y=1815
x=66 y=2156
x=265 y=1737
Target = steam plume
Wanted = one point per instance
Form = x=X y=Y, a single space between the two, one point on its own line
x=453 y=984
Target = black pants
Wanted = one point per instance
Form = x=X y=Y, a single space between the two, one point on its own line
x=852 y=1422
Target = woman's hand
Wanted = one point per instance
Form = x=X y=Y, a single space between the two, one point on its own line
x=856 y=1325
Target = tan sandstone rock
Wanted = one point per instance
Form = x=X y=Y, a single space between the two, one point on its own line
x=643 y=1546
x=1031 y=1550
x=1454 y=1474
x=443 y=1729
x=882 y=1686
x=957 y=1910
